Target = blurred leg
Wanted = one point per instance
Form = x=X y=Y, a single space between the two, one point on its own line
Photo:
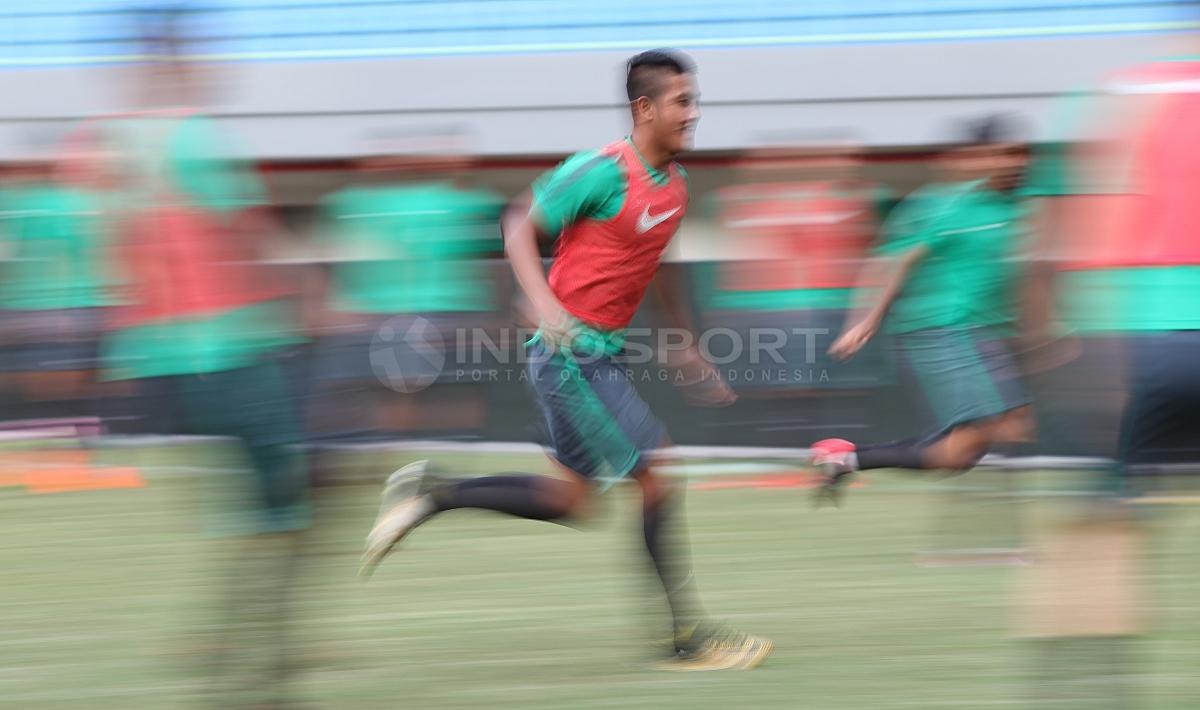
x=664 y=533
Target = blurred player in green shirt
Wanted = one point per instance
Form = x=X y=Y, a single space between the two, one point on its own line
x=406 y=249
x=53 y=289
x=948 y=279
x=203 y=323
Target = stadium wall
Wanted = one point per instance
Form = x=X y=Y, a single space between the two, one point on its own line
x=881 y=95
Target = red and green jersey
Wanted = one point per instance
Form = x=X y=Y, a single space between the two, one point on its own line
x=194 y=298
x=177 y=195
x=614 y=215
x=1129 y=253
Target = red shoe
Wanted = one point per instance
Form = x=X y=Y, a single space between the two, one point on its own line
x=832 y=451
x=832 y=458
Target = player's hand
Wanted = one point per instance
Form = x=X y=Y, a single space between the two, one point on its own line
x=853 y=339
x=702 y=385
x=554 y=323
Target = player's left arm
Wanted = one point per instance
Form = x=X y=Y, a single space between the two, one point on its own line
x=702 y=384
x=670 y=287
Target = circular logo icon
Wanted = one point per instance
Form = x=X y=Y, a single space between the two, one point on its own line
x=407 y=354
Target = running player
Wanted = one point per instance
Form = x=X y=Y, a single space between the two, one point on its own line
x=613 y=211
x=947 y=277
x=1129 y=259
x=204 y=328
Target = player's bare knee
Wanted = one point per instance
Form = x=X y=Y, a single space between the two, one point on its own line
x=656 y=488
x=579 y=493
x=1016 y=425
x=573 y=497
x=962 y=448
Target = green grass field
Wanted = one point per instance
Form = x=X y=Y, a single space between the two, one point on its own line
x=106 y=595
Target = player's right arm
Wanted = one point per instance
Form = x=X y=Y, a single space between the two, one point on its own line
x=521 y=246
x=585 y=186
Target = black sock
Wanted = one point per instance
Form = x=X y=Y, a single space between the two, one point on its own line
x=906 y=453
x=665 y=539
x=902 y=453
x=525 y=496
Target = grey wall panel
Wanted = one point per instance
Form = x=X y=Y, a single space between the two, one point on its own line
x=887 y=95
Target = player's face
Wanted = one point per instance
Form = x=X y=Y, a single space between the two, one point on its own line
x=999 y=163
x=676 y=112
x=1008 y=166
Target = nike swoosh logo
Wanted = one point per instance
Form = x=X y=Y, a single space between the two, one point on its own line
x=647 y=222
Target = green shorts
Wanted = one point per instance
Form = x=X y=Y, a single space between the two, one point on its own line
x=598 y=425
x=254 y=406
x=965 y=374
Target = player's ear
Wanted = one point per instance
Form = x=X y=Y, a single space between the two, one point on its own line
x=643 y=108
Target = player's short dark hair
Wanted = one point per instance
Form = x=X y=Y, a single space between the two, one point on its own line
x=644 y=72
x=991 y=129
